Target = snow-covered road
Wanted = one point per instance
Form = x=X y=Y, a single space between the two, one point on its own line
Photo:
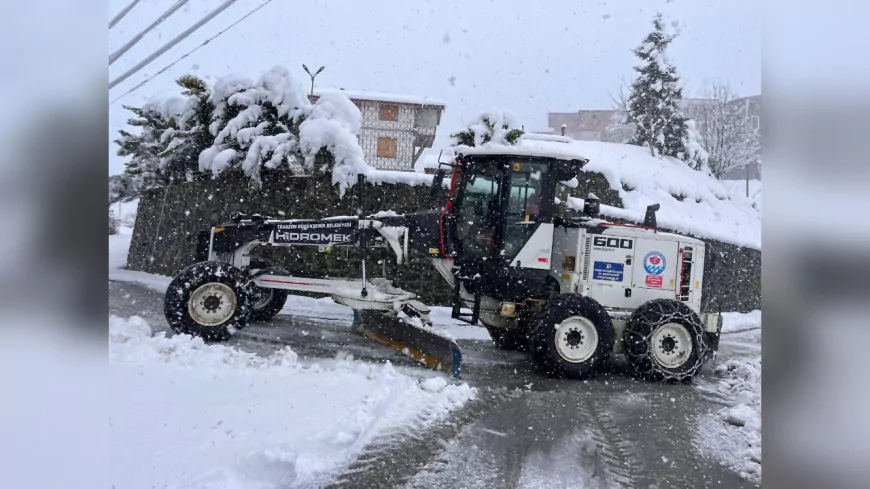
x=189 y=415
x=370 y=425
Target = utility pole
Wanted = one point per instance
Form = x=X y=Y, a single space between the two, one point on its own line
x=747 y=180
x=312 y=76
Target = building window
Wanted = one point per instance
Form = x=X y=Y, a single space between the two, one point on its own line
x=756 y=122
x=427 y=117
x=387 y=147
x=388 y=112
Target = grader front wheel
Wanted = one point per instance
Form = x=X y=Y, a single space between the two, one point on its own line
x=210 y=300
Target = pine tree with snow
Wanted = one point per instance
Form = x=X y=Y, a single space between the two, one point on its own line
x=256 y=124
x=496 y=127
x=113 y=224
x=192 y=136
x=653 y=103
x=272 y=124
x=244 y=126
x=145 y=169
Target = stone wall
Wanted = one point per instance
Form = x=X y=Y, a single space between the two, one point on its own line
x=169 y=220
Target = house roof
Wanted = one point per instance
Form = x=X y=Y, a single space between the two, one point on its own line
x=383 y=97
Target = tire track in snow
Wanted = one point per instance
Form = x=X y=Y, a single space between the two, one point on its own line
x=617 y=458
x=391 y=460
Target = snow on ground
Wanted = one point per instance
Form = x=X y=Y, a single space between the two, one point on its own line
x=738 y=188
x=733 y=434
x=321 y=309
x=125 y=212
x=119 y=244
x=735 y=322
x=189 y=415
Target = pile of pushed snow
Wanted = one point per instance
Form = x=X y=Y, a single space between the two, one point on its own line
x=210 y=416
x=736 y=322
x=733 y=434
x=740 y=380
x=691 y=201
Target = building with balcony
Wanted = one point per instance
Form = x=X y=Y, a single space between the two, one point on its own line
x=395 y=128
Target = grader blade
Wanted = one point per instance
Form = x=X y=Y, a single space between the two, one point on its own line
x=436 y=352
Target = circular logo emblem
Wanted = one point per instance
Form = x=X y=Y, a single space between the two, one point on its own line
x=654 y=263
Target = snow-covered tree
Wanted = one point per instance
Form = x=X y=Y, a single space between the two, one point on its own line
x=494 y=127
x=653 y=103
x=245 y=126
x=619 y=129
x=113 y=225
x=726 y=131
x=271 y=123
x=146 y=149
x=192 y=135
x=255 y=124
x=121 y=188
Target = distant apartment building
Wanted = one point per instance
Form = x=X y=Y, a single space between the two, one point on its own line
x=583 y=125
x=395 y=128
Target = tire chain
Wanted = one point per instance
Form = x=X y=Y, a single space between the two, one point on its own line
x=652 y=315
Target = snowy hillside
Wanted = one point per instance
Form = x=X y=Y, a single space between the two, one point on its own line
x=691 y=202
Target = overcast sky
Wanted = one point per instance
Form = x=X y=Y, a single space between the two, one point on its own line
x=527 y=57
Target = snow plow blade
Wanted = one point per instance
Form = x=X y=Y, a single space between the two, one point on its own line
x=434 y=351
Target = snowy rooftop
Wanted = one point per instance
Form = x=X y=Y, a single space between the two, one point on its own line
x=543 y=145
x=382 y=97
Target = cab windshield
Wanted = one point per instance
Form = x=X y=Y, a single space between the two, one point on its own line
x=500 y=209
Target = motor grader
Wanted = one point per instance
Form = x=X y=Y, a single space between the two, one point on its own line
x=567 y=286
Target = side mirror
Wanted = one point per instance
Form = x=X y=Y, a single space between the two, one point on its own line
x=437 y=181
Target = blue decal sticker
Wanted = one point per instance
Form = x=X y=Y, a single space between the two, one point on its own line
x=604 y=270
x=654 y=263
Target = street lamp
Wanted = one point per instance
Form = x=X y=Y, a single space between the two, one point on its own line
x=312 y=76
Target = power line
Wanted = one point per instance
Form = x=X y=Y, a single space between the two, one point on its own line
x=171 y=43
x=122 y=13
x=185 y=55
x=138 y=37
